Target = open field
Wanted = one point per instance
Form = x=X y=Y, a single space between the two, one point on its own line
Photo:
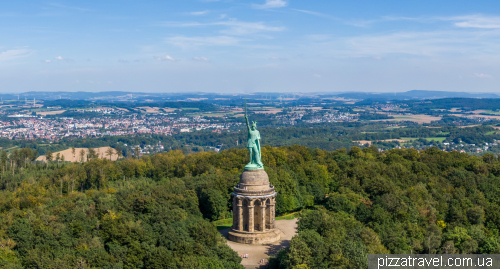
x=363 y=142
x=467 y=126
x=394 y=127
x=392 y=140
x=150 y=109
x=438 y=139
x=269 y=111
x=69 y=157
x=420 y=118
x=56 y=112
x=408 y=139
x=477 y=116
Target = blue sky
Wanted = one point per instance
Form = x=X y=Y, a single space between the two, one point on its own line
x=250 y=46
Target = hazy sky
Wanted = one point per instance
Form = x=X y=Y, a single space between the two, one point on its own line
x=249 y=46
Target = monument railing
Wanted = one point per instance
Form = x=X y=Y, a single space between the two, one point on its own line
x=254 y=192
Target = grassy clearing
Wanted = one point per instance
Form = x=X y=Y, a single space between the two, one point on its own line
x=410 y=139
x=223 y=223
x=395 y=127
x=227 y=223
x=288 y=216
x=438 y=139
x=492 y=112
x=491 y=132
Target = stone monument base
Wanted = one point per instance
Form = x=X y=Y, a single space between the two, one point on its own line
x=257 y=237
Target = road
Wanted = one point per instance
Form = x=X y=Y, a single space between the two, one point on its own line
x=255 y=253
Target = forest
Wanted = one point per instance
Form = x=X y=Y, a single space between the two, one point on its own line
x=158 y=211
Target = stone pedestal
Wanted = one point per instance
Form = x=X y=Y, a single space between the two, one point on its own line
x=253 y=209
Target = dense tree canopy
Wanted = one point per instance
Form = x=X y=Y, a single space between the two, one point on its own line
x=155 y=211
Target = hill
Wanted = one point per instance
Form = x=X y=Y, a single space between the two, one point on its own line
x=415 y=94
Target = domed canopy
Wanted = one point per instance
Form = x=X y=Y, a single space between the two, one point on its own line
x=254 y=180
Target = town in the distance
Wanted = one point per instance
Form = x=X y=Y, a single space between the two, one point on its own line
x=142 y=123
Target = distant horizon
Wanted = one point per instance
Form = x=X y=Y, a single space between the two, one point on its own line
x=256 y=92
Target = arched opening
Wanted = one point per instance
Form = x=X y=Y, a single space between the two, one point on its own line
x=245 y=215
x=257 y=216
x=268 y=214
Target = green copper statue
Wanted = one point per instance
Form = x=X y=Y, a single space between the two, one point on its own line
x=253 y=144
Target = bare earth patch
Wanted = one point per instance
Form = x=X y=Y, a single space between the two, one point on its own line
x=477 y=116
x=256 y=252
x=415 y=118
x=391 y=140
x=363 y=142
x=150 y=109
x=69 y=157
x=56 y=112
x=268 y=111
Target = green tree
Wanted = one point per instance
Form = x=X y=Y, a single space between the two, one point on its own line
x=212 y=204
x=49 y=157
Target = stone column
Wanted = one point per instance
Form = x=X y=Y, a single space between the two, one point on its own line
x=263 y=216
x=250 y=217
x=240 y=215
x=272 y=215
x=235 y=208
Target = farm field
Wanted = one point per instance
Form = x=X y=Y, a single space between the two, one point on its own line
x=69 y=157
x=45 y=113
x=415 y=118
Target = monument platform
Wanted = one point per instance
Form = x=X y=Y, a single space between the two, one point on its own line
x=265 y=237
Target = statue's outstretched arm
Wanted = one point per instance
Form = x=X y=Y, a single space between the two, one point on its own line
x=246 y=116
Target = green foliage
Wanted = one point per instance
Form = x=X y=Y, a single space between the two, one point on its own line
x=400 y=201
x=155 y=211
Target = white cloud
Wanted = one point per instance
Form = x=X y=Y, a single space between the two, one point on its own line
x=235 y=27
x=481 y=75
x=14 y=54
x=59 y=58
x=316 y=75
x=165 y=58
x=47 y=61
x=271 y=4
x=201 y=59
x=318 y=14
x=454 y=43
x=476 y=21
x=277 y=58
x=199 y=41
x=199 y=13
x=465 y=21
